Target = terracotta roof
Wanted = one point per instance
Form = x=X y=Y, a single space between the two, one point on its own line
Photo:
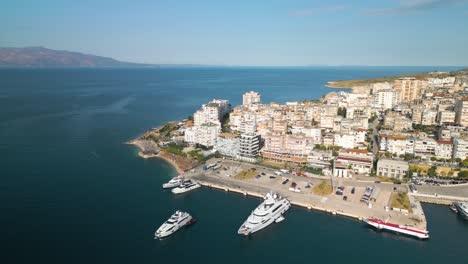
x=448 y=142
x=364 y=151
x=396 y=137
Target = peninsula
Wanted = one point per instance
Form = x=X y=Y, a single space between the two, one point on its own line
x=370 y=153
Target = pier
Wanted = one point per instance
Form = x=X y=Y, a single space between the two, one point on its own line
x=224 y=179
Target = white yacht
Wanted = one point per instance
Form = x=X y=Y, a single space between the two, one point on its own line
x=174 y=223
x=186 y=186
x=462 y=209
x=269 y=211
x=174 y=182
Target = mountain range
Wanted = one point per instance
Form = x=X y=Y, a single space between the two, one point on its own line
x=43 y=57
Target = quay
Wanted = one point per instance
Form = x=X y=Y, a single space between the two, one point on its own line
x=224 y=179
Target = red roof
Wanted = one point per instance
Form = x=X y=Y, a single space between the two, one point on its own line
x=448 y=142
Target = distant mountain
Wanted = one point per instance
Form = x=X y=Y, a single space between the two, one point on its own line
x=43 y=57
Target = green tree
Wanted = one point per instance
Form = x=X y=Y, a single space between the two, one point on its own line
x=432 y=171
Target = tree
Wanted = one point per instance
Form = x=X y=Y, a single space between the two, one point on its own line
x=465 y=162
x=433 y=158
x=458 y=160
x=432 y=171
x=342 y=111
x=463 y=174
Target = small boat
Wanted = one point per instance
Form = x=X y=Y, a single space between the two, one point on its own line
x=186 y=186
x=174 y=182
x=174 y=223
x=453 y=207
x=279 y=219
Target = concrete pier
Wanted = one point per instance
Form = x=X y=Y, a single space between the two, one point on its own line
x=224 y=179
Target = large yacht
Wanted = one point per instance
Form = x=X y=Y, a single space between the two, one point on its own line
x=462 y=209
x=269 y=211
x=174 y=182
x=186 y=186
x=174 y=223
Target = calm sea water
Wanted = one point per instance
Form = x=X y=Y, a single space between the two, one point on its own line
x=71 y=192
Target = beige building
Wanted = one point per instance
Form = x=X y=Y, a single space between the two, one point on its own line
x=461 y=112
x=287 y=148
x=409 y=88
x=392 y=168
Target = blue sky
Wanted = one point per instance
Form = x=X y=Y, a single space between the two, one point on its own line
x=246 y=32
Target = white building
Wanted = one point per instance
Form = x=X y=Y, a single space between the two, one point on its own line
x=249 y=147
x=205 y=134
x=392 y=168
x=251 y=98
x=443 y=149
x=385 y=99
x=460 y=148
x=212 y=112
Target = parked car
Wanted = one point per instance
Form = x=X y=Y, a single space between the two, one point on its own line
x=285 y=181
x=353 y=190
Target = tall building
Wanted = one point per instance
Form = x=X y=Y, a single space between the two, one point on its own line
x=212 y=112
x=409 y=88
x=251 y=98
x=385 y=99
x=249 y=143
x=249 y=146
x=461 y=112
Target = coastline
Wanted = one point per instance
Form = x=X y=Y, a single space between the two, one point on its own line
x=148 y=149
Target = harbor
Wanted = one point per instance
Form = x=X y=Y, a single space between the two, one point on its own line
x=224 y=179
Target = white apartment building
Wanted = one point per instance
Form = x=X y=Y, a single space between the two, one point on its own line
x=396 y=144
x=460 y=148
x=249 y=147
x=205 y=134
x=344 y=140
x=428 y=117
x=443 y=149
x=384 y=99
x=212 y=112
x=424 y=147
x=251 y=98
x=445 y=116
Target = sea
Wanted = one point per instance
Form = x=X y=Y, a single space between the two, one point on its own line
x=71 y=191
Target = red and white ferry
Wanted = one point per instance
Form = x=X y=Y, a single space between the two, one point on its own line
x=379 y=224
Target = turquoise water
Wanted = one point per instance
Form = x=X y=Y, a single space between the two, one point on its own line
x=71 y=192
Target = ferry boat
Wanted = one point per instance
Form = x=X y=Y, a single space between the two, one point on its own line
x=174 y=223
x=269 y=211
x=462 y=209
x=379 y=224
x=174 y=182
x=186 y=186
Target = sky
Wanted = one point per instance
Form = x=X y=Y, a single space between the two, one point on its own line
x=246 y=32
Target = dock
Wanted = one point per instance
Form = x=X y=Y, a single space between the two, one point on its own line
x=334 y=204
